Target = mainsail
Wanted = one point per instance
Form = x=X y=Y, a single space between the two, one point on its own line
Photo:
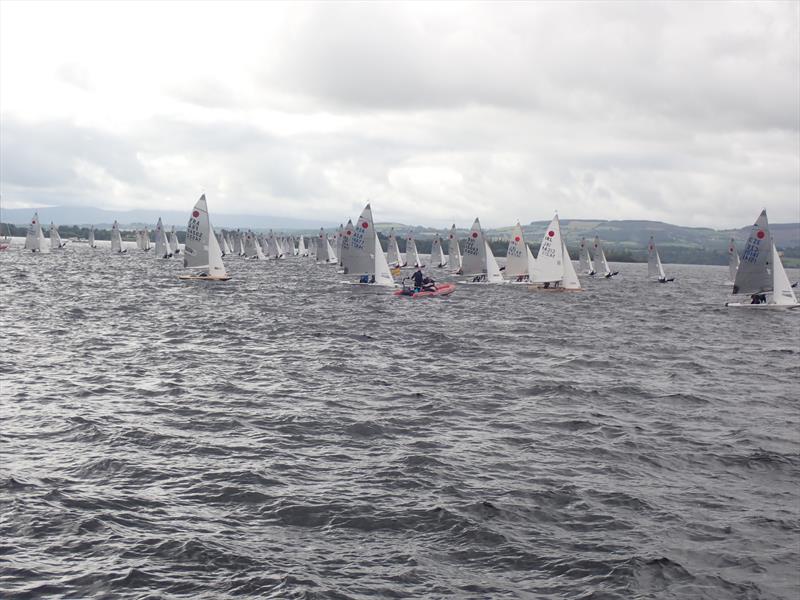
x=733 y=260
x=437 y=254
x=473 y=261
x=453 y=251
x=412 y=256
x=162 y=244
x=92 y=243
x=654 y=266
x=394 y=258
x=116 y=238
x=585 y=263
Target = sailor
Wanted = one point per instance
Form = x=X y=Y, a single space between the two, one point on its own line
x=428 y=284
x=364 y=279
x=418 y=278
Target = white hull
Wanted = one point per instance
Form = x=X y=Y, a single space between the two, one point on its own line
x=761 y=306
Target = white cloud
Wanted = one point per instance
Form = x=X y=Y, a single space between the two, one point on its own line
x=684 y=112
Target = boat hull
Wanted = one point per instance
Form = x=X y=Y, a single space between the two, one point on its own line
x=444 y=289
x=762 y=306
x=203 y=278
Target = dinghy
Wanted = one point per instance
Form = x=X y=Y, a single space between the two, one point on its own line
x=55 y=239
x=252 y=249
x=454 y=252
x=394 y=258
x=92 y=243
x=600 y=259
x=225 y=246
x=437 y=254
x=761 y=272
x=116 y=239
x=301 y=247
x=162 y=244
x=520 y=263
x=733 y=262
x=365 y=256
x=554 y=269
x=478 y=260
x=273 y=250
x=654 y=266
x=412 y=256
x=325 y=253
x=35 y=240
x=173 y=242
x=585 y=264
x=442 y=289
x=201 y=250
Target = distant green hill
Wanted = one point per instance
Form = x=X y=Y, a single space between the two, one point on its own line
x=626 y=241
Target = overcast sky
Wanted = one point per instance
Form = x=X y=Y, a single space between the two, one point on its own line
x=682 y=112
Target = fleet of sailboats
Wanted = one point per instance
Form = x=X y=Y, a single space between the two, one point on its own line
x=356 y=249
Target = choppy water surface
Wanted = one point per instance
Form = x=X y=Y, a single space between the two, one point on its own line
x=283 y=435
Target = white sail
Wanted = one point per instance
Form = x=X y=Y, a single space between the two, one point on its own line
x=252 y=249
x=274 y=252
x=383 y=275
x=301 y=247
x=332 y=258
x=585 y=263
x=344 y=257
x=361 y=253
x=517 y=262
x=162 y=244
x=453 y=251
x=733 y=261
x=339 y=236
x=754 y=274
x=654 y=266
x=35 y=240
x=437 y=254
x=493 y=274
x=325 y=253
x=394 y=258
x=550 y=261
x=570 y=279
x=55 y=239
x=92 y=243
x=202 y=250
x=412 y=256
x=600 y=257
x=116 y=238
x=473 y=260
x=782 y=292
x=173 y=242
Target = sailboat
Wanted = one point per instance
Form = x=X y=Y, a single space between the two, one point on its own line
x=224 y=245
x=116 y=239
x=554 y=269
x=585 y=264
x=301 y=247
x=600 y=259
x=438 y=259
x=478 y=260
x=92 y=243
x=365 y=255
x=252 y=249
x=201 y=250
x=325 y=253
x=55 y=238
x=173 y=242
x=274 y=251
x=654 y=266
x=454 y=252
x=394 y=258
x=761 y=272
x=412 y=256
x=520 y=263
x=35 y=240
x=733 y=262
x=162 y=244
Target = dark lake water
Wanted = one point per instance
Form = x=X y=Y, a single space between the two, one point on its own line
x=285 y=436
